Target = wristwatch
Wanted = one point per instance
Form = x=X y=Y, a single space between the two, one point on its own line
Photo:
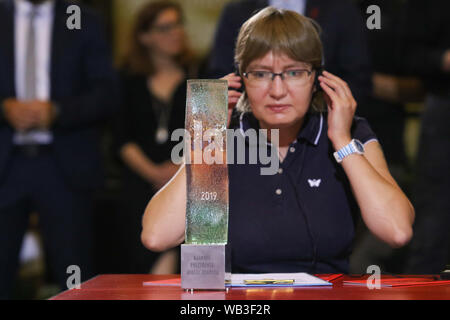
x=355 y=146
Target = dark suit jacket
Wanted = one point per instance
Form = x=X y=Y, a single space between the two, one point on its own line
x=343 y=37
x=83 y=85
x=427 y=38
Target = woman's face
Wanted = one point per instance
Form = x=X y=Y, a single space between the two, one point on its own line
x=279 y=103
x=166 y=36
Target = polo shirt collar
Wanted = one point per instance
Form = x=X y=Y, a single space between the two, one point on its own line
x=312 y=128
x=310 y=131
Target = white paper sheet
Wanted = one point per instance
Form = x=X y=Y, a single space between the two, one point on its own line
x=300 y=279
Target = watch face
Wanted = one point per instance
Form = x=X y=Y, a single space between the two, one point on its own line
x=359 y=146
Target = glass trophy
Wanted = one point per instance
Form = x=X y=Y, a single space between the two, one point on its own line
x=203 y=253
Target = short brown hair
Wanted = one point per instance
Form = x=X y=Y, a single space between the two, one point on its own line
x=137 y=60
x=281 y=31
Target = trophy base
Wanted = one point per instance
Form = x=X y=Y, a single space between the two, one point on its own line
x=203 y=267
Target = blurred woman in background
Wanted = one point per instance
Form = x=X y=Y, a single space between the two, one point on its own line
x=154 y=91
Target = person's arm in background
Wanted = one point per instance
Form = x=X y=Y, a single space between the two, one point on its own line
x=18 y=114
x=139 y=162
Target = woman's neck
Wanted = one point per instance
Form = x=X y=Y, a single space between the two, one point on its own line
x=164 y=63
x=168 y=75
x=286 y=135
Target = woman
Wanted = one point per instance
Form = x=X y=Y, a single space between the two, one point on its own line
x=301 y=218
x=154 y=90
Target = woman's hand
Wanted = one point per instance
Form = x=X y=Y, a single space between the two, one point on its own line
x=234 y=81
x=341 y=109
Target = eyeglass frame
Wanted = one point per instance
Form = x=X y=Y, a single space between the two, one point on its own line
x=166 y=28
x=281 y=74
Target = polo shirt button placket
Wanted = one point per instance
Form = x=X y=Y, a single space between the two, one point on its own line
x=278 y=192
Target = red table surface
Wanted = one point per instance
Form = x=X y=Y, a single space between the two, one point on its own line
x=130 y=287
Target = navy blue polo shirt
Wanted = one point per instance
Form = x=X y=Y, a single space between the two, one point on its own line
x=300 y=219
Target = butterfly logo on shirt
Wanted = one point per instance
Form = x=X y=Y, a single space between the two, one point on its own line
x=314 y=183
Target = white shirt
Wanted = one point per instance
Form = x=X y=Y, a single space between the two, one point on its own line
x=294 y=5
x=43 y=26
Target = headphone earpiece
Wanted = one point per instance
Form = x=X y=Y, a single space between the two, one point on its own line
x=236 y=72
x=316 y=79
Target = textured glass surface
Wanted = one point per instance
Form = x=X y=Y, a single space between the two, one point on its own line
x=207 y=184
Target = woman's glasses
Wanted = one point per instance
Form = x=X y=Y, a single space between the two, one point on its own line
x=298 y=77
x=166 y=28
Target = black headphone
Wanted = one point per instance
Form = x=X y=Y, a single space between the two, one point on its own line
x=236 y=72
x=316 y=79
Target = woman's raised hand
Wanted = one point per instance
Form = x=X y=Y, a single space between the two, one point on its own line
x=341 y=108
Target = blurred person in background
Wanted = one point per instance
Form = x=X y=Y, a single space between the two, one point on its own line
x=154 y=98
x=427 y=54
x=56 y=86
x=343 y=37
